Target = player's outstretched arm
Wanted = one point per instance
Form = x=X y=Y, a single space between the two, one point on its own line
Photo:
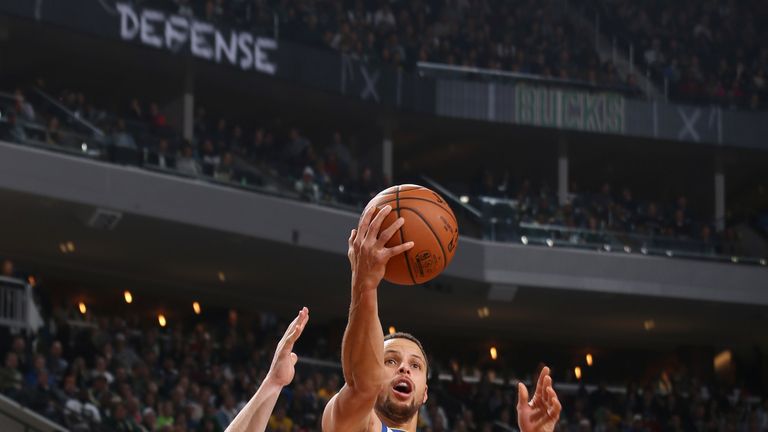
x=255 y=415
x=543 y=411
x=362 y=349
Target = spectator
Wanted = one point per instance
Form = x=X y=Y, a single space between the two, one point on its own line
x=187 y=163
x=55 y=363
x=280 y=422
x=8 y=269
x=23 y=108
x=210 y=159
x=162 y=156
x=225 y=170
x=10 y=377
x=53 y=132
x=307 y=187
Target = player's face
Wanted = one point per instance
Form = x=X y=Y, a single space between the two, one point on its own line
x=406 y=390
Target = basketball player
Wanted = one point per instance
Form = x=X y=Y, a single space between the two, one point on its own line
x=386 y=378
x=255 y=415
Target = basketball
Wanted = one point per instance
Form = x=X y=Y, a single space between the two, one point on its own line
x=429 y=223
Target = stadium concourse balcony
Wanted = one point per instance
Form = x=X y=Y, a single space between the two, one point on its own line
x=288 y=164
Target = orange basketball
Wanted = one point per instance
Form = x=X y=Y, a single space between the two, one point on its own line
x=429 y=223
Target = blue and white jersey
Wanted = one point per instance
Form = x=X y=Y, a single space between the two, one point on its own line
x=384 y=428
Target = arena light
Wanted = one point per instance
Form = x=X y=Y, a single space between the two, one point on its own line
x=161 y=320
x=722 y=361
x=222 y=277
x=128 y=297
x=649 y=324
x=550 y=242
x=483 y=312
x=84 y=147
x=590 y=360
x=392 y=330
x=577 y=372
x=82 y=308
x=524 y=240
x=196 y=307
x=70 y=246
x=63 y=248
x=494 y=353
x=464 y=199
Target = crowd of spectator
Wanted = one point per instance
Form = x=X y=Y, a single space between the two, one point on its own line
x=605 y=211
x=125 y=373
x=268 y=154
x=531 y=37
x=708 y=51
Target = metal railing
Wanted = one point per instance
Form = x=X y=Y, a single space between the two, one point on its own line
x=15 y=417
x=16 y=305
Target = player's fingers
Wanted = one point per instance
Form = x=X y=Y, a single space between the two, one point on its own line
x=299 y=324
x=397 y=250
x=554 y=408
x=540 y=382
x=547 y=388
x=294 y=358
x=522 y=395
x=352 y=237
x=390 y=231
x=373 y=229
x=365 y=220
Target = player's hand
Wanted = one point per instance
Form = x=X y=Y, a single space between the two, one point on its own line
x=282 y=371
x=543 y=411
x=368 y=254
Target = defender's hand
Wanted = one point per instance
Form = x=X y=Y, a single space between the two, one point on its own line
x=543 y=411
x=282 y=371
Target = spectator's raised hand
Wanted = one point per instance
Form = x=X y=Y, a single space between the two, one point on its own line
x=282 y=370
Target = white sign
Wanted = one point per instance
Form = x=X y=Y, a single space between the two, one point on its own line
x=171 y=32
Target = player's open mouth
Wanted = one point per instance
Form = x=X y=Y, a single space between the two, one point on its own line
x=402 y=388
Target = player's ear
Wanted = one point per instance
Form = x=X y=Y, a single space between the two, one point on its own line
x=426 y=396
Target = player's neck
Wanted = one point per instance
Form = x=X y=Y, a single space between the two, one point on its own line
x=409 y=426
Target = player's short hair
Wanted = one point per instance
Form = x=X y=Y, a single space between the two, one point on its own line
x=412 y=338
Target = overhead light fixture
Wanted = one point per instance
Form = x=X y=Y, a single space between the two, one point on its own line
x=524 y=240
x=84 y=147
x=464 y=199
x=577 y=372
x=196 y=307
x=128 y=297
x=494 y=353
x=161 y=320
x=392 y=330
x=589 y=359
x=483 y=312
x=550 y=242
x=222 y=277
x=63 y=247
x=70 y=246
x=82 y=308
x=649 y=324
